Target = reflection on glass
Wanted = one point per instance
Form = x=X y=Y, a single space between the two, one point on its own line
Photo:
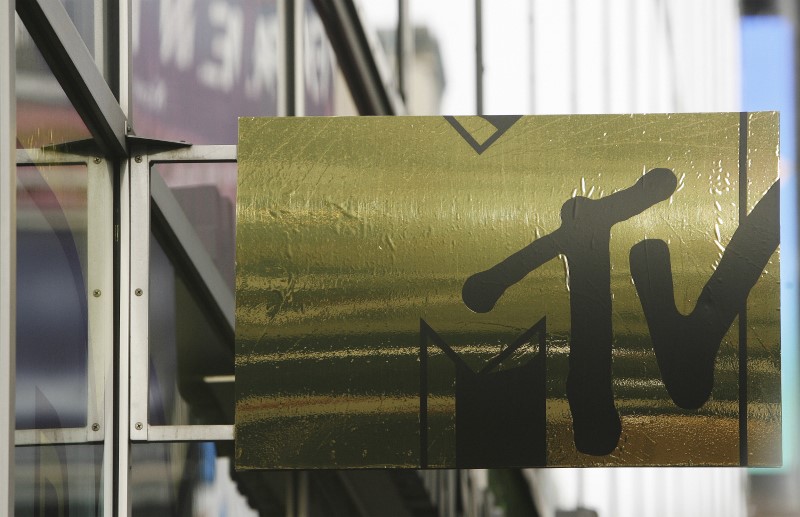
x=318 y=63
x=183 y=479
x=186 y=348
x=45 y=115
x=207 y=194
x=326 y=92
x=199 y=65
x=186 y=351
x=58 y=480
x=164 y=404
x=52 y=318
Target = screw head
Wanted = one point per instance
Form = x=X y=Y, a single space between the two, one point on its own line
x=96 y=293
x=97 y=160
x=138 y=292
x=95 y=427
x=139 y=426
x=138 y=159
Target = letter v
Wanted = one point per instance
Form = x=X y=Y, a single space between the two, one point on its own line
x=686 y=346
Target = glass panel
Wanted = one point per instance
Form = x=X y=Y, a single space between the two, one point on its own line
x=164 y=403
x=207 y=194
x=58 y=480
x=52 y=335
x=45 y=115
x=187 y=354
x=318 y=61
x=187 y=479
x=187 y=358
x=191 y=84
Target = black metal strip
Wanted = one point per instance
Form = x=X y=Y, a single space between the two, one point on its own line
x=423 y=395
x=479 y=57
x=743 y=311
x=290 y=36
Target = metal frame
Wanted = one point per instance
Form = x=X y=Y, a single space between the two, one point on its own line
x=149 y=194
x=100 y=280
x=8 y=253
x=296 y=35
x=479 y=57
x=405 y=50
x=136 y=235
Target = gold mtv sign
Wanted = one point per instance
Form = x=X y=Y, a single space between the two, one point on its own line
x=508 y=291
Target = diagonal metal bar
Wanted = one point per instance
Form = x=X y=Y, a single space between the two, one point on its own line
x=356 y=57
x=65 y=52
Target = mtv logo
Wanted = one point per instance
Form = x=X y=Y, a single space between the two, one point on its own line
x=387 y=270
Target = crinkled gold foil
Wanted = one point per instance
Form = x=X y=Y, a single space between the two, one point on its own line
x=352 y=230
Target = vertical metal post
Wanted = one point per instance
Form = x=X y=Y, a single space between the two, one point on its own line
x=8 y=253
x=138 y=293
x=121 y=505
x=532 y=56
x=286 y=52
x=100 y=232
x=479 y=56
x=405 y=50
x=606 y=28
x=573 y=56
x=117 y=450
x=122 y=60
x=298 y=50
x=99 y=47
x=107 y=35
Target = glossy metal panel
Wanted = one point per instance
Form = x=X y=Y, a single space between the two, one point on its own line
x=356 y=239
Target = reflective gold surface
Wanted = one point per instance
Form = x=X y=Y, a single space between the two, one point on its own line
x=350 y=230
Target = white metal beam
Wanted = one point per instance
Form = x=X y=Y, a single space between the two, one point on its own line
x=121 y=504
x=193 y=433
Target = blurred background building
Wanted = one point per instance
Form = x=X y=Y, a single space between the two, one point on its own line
x=128 y=408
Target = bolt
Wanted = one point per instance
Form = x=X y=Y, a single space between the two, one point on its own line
x=128 y=128
x=138 y=292
x=139 y=426
x=95 y=427
x=138 y=159
x=97 y=160
x=96 y=293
